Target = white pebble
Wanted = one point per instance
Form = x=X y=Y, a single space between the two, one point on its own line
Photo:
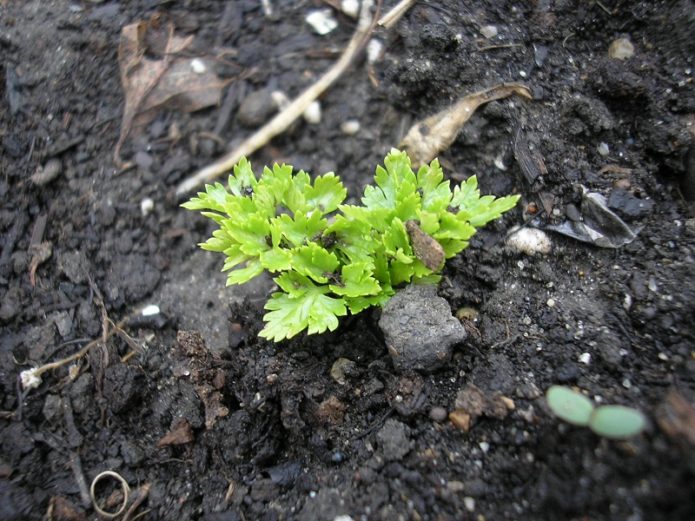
x=374 y=50
x=627 y=383
x=350 y=7
x=585 y=358
x=198 y=66
x=321 y=21
x=621 y=49
x=146 y=206
x=312 y=114
x=550 y=302
x=489 y=31
x=350 y=127
x=603 y=149
x=484 y=446
x=529 y=241
x=150 y=310
x=469 y=503
x=280 y=99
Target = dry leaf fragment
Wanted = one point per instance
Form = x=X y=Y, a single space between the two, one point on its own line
x=171 y=81
x=426 y=248
x=179 y=434
x=676 y=417
x=430 y=136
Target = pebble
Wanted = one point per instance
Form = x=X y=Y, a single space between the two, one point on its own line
x=469 y=503
x=312 y=114
x=419 y=329
x=350 y=7
x=603 y=149
x=529 y=241
x=256 y=108
x=621 y=49
x=438 y=414
x=146 y=206
x=489 y=31
x=375 y=50
x=321 y=21
x=394 y=440
x=342 y=368
x=47 y=173
x=585 y=358
x=350 y=127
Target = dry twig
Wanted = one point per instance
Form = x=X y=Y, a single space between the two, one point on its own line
x=293 y=111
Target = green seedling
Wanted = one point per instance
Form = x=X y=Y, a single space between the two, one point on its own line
x=332 y=258
x=610 y=421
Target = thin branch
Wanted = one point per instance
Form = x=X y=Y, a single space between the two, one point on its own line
x=293 y=111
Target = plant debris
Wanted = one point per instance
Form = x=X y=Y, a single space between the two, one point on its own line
x=427 y=138
x=171 y=80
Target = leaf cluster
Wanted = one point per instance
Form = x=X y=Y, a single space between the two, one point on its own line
x=331 y=258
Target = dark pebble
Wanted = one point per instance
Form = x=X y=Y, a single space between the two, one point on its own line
x=567 y=373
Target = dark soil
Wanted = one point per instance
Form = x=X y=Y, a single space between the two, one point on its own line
x=295 y=443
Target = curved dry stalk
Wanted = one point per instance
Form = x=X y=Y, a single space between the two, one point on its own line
x=293 y=111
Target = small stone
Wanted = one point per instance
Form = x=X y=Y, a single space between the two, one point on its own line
x=460 y=419
x=394 y=440
x=550 y=302
x=198 y=66
x=603 y=149
x=375 y=49
x=350 y=127
x=312 y=114
x=438 y=414
x=47 y=173
x=52 y=407
x=467 y=313
x=350 y=7
x=146 y=206
x=585 y=358
x=469 y=503
x=419 y=329
x=621 y=49
x=321 y=21
x=529 y=241
x=489 y=31
x=341 y=368
x=256 y=109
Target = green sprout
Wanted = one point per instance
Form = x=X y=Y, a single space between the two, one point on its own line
x=332 y=258
x=610 y=421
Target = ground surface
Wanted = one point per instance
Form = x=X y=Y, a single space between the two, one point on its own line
x=296 y=443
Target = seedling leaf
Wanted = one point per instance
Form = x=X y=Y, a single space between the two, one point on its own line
x=569 y=405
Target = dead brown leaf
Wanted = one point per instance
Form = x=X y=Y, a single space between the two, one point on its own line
x=430 y=136
x=169 y=81
x=179 y=434
x=676 y=417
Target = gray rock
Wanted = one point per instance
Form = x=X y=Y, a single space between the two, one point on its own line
x=256 y=108
x=419 y=329
x=394 y=440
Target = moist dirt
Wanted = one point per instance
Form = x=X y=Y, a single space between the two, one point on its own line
x=203 y=419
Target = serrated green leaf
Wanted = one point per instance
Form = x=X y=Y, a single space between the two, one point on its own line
x=326 y=194
x=357 y=281
x=251 y=234
x=452 y=227
x=243 y=181
x=276 y=259
x=436 y=194
x=301 y=228
x=314 y=261
x=309 y=309
x=252 y=269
